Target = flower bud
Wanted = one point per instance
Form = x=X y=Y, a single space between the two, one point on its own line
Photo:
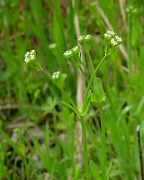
x=32 y=61
x=113 y=42
x=68 y=54
x=56 y=75
x=30 y=56
x=76 y=50
x=88 y=38
x=81 y=39
x=85 y=41
x=111 y=33
x=107 y=36
x=118 y=39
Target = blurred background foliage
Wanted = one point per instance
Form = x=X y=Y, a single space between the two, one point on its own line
x=48 y=26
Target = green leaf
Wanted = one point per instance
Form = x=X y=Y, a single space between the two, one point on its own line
x=94 y=171
x=71 y=107
x=107 y=175
x=98 y=94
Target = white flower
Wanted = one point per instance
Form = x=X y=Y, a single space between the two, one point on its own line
x=56 y=75
x=80 y=38
x=68 y=54
x=118 y=39
x=113 y=42
x=32 y=51
x=76 y=49
x=26 y=55
x=111 y=33
x=88 y=37
x=27 y=59
x=107 y=36
x=30 y=56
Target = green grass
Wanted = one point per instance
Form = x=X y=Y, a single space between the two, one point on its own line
x=48 y=146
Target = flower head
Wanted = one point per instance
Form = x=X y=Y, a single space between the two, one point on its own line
x=118 y=39
x=30 y=56
x=88 y=38
x=113 y=42
x=56 y=75
x=76 y=49
x=68 y=54
x=85 y=41
x=111 y=37
x=81 y=39
x=32 y=61
x=109 y=34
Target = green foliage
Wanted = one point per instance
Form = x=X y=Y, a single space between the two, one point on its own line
x=116 y=89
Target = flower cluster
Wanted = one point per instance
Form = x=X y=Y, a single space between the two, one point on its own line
x=85 y=41
x=111 y=37
x=68 y=54
x=82 y=39
x=32 y=61
x=72 y=53
x=30 y=56
x=56 y=75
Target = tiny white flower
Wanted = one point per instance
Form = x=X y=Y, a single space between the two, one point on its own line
x=107 y=36
x=32 y=57
x=87 y=36
x=32 y=51
x=27 y=59
x=118 y=39
x=68 y=54
x=32 y=61
x=80 y=38
x=26 y=55
x=76 y=49
x=111 y=33
x=113 y=42
x=56 y=75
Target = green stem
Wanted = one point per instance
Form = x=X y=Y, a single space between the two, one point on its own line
x=90 y=62
x=72 y=149
x=103 y=154
x=85 y=147
x=94 y=73
x=129 y=45
x=84 y=74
